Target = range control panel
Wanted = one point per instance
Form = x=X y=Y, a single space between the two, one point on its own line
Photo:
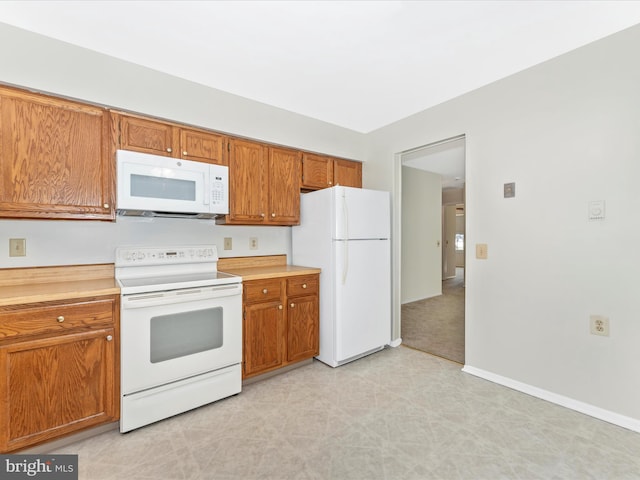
x=138 y=256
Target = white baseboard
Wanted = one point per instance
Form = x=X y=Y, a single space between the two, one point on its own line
x=395 y=343
x=588 y=409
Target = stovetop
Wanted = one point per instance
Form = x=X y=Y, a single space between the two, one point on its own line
x=152 y=269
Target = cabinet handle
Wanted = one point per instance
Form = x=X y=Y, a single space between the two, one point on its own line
x=185 y=153
x=304 y=285
x=264 y=290
x=109 y=338
x=273 y=215
x=169 y=150
x=60 y=319
x=279 y=307
x=106 y=205
x=292 y=305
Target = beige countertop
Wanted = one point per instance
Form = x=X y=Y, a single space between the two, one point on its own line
x=42 y=284
x=258 y=268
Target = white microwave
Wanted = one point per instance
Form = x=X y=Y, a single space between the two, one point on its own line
x=152 y=185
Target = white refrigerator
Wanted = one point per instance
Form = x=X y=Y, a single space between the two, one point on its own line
x=345 y=232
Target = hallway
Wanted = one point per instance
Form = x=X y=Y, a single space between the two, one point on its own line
x=436 y=325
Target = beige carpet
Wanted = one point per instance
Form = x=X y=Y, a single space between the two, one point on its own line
x=436 y=325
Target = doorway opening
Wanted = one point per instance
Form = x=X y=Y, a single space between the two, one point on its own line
x=432 y=254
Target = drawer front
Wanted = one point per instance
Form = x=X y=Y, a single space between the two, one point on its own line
x=262 y=291
x=302 y=285
x=34 y=319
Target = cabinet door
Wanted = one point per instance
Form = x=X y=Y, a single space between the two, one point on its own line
x=284 y=186
x=263 y=335
x=302 y=328
x=57 y=385
x=247 y=183
x=202 y=146
x=317 y=172
x=146 y=136
x=347 y=173
x=55 y=158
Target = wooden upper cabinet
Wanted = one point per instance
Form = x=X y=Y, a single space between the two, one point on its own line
x=317 y=171
x=147 y=135
x=247 y=183
x=264 y=185
x=284 y=186
x=347 y=173
x=56 y=158
x=201 y=146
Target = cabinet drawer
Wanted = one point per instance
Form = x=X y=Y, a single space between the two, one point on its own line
x=262 y=291
x=41 y=318
x=302 y=285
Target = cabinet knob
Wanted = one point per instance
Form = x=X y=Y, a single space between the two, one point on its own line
x=273 y=215
x=304 y=285
x=264 y=290
x=60 y=319
x=279 y=307
x=262 y=215
x=169 y=150
x=106 y=205
x=330 y=183
x=185 y=153
x=109 y=338
x=292 y=305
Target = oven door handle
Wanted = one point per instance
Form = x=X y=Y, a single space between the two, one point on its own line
x=152 y=299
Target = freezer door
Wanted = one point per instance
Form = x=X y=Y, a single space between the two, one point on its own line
x=363 y=297
x=361 y=214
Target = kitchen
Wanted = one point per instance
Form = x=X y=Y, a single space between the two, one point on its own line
x=314 y=136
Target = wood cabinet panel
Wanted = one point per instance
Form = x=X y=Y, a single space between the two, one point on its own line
x=284 y=186
x=57 y=385
x=55 y=158
x=146 y=136
x=317 y=171
x=262 y=337
x=247 y=183
x=202 y=146
x=55 y=317
x=56 y=382
x=278 y=331
x=302 y=328
x=347 y=173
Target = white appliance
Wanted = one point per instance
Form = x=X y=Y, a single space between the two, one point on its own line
x=152 y=185
x=345 y=232
x=180 y=331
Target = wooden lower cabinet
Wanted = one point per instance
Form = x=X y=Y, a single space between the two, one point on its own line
x=62 y=381
x=280 y=322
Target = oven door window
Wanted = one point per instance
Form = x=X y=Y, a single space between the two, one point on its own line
x=185 y=333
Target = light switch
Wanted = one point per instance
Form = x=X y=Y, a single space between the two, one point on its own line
x=481 y=251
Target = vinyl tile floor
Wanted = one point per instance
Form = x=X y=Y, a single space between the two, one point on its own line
x=396 y=414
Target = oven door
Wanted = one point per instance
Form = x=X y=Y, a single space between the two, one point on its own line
x=172 y=335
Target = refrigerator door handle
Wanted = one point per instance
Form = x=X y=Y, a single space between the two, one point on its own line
x=345 y=263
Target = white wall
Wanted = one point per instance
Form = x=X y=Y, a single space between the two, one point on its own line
x=39 y=63
x=566 y=131
x=421 y=233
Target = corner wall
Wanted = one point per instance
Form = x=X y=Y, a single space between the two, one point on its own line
x=566 y=132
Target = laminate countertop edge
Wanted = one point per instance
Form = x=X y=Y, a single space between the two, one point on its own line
x=274 y=271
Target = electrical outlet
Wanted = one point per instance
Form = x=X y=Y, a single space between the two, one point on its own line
x=228 y=243
x=599 y=325
x=17 y=247
x=253 y=243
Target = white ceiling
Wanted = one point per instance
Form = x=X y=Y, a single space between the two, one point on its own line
x=357 y=64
